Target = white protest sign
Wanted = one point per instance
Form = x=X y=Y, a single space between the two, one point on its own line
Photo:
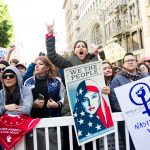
x=89 y=107
x=114 y=52
x=134 y=100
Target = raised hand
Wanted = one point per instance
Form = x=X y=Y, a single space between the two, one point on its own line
x=50 y=28
x=12 y=48
x=95 y=48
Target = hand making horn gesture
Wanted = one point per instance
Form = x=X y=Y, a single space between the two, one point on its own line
x=50 y=28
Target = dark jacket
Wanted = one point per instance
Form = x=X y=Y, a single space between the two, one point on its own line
x=62 y=62
x=29 y=72
x=56 y=92
x=117 y=81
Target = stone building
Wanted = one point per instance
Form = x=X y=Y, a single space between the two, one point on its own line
x=101 y=22
x=68 y=7
x=145 y=9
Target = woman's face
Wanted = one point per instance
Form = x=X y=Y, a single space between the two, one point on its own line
x=81 y=50
x=91 y=102
x=107 y=70
x=40 y=68
x=2 y=68
x=21 y=70
x=9 y=80
x=143 y=69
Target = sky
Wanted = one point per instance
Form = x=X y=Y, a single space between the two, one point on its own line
x=29 y=18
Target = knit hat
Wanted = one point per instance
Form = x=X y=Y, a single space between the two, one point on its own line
x=144 y=58
x=4 y=63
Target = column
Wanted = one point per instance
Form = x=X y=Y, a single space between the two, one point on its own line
x=139 y=38
x=129 y=17
x=136 y=11
x=131 y=42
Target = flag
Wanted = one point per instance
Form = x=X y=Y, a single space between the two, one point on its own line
x=13 y=128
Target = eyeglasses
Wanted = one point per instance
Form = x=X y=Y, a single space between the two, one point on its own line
x=11 y=76
x=147 y=61
x=130 y=60
x=143 y=68
x=2 y=69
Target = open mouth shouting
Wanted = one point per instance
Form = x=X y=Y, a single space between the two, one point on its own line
x=81 y=53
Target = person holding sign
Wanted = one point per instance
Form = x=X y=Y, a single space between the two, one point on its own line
x=91 y=112
x=129 y=73
x=79 y=56
x=108 y=72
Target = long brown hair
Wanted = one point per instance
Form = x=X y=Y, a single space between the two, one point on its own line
x=53 y=71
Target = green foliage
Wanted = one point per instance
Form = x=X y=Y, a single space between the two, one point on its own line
x=6 y=26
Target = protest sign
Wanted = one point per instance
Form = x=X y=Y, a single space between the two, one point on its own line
x=3 y=52
x=114 y=52
x=13 y=128
x=89 y=107
x=134 y=100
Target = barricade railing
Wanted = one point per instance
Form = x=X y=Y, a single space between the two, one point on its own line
x=60 y=122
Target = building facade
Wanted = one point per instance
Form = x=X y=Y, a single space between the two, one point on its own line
x=145 y=7
x=68 y=7
x=100 y=22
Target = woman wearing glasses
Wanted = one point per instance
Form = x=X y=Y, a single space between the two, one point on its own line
x=144 y=68
x=14 y=97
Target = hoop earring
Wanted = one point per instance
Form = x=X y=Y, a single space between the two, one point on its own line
x=47 y=72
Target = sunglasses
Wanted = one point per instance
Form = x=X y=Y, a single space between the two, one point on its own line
x=11 y=76
x=2 y=69
x=147 y=61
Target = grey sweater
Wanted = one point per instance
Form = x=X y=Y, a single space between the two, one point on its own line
x=26 y=98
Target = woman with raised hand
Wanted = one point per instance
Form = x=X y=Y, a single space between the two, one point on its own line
x=78 y=56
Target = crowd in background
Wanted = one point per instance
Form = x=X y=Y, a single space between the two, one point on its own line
x=41 y=85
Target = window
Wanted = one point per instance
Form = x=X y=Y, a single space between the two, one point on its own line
x=128 y=41
x=97 y=35
x=141 y=39
x=135 y=41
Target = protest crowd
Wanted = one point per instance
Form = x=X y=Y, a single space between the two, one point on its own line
x=39 y=90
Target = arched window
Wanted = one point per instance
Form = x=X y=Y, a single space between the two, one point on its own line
x=97 y=35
